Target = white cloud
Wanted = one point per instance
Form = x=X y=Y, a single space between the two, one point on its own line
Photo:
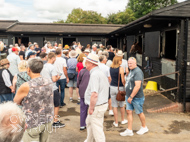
x=52 y=10
x=59 y=9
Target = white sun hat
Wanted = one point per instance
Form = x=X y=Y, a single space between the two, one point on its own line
x=119 y=53
x=93 y=58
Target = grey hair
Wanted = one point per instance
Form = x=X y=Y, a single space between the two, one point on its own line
x=102 y=57
x=35 y=64
x=106 y=54
x=12 y=120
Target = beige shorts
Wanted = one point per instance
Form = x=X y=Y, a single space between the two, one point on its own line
x=38 y=134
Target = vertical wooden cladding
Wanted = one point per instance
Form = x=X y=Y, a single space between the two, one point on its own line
x=130 y=42
x=152 y=44
x=187 y=66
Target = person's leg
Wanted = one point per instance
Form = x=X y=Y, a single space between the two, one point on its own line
x=62 y=87
x=71 y=92
x=97 y=123
x=89 y=129
x=122 y=109
x=82 y=113
x=115 y=115
x=130 y=119
x=109 y=102
x=31 y=135
x=142 y=118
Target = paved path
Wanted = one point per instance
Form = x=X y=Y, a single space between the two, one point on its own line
x=164 y=127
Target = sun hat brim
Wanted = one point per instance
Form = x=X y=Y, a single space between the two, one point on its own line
x=91 y=60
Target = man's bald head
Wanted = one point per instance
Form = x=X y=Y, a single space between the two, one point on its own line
x=132 y=63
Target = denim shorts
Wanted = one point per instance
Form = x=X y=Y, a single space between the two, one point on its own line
x=136 y=104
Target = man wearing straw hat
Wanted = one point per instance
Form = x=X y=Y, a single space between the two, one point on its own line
x=96 y=96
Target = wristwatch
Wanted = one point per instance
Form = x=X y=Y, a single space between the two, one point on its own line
x=130 y=97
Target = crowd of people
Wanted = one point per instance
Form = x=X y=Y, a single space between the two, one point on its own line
x=35 y=79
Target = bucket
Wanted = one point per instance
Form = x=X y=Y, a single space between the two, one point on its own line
x=152 y=85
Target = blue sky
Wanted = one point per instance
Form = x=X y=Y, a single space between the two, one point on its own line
x=52 y=10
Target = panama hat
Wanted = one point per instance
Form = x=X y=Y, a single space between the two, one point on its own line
x=119 y=53
x=92 y=58
x=73 y=54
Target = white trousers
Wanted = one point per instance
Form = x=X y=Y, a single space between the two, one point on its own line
x=95 y=125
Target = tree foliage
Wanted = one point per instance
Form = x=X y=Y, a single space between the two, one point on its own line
x=143 y=7
x=123 y=17
x=87 y=17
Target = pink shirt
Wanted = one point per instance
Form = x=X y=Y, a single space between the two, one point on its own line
x=79 y=66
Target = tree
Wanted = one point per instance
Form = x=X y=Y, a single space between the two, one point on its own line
x=123 y=17
x=88 y=17
x=143 y=7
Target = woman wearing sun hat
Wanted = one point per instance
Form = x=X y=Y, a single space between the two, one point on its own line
x=72 y=74
x=6 y=78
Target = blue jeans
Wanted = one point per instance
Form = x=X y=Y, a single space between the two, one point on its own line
x=6 y=97
x=61 y=83
x=136 y=104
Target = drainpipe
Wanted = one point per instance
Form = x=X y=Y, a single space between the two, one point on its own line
x=185 y=64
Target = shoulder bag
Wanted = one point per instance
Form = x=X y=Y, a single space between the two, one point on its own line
x=121 y=94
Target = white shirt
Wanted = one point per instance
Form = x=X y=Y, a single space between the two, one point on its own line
x=105 y=69
x=14 y=61
x=124 y=64
x=6 y=78
x=97 y=83
x=10 y=50
x=109 y=62
x=59 y=64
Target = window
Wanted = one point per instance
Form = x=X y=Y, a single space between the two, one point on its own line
x=4 y=40
x=169 y=45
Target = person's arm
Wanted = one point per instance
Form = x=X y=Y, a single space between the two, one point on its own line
x=7 y=80
x=122 y=76
x=77 y=69
x=79 y=79
x=94 y=83
x=65 y=72
x=109 y=79
x=21 y=93
x=55 y=78
x=135 y=90
x=93 y=100
x=14 y=83
x=21 y=57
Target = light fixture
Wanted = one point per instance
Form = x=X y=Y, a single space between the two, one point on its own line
x=69 y=35
x=147 y=25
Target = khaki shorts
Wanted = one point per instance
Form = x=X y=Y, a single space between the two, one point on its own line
x=38 y=134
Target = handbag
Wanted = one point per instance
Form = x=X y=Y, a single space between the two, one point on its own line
x=71 y=76
x=121 y=94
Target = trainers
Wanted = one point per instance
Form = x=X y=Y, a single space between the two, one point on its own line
x=111 y=112
x=71 y=99
x=127 y=132
x=142 y=130
x=124 y=122
x=116 y=125
x=58 y=125
x=82 y=128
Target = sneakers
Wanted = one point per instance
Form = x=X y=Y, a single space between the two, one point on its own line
x=124 y=122
x=111 y=112
x=127 y=132
x=142 y=130
x=116 y=125
x=58 y=124
x=71 y=99
x=82 y=128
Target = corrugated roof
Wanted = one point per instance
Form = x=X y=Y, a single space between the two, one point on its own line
x=64 y=28
x=5 y=24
